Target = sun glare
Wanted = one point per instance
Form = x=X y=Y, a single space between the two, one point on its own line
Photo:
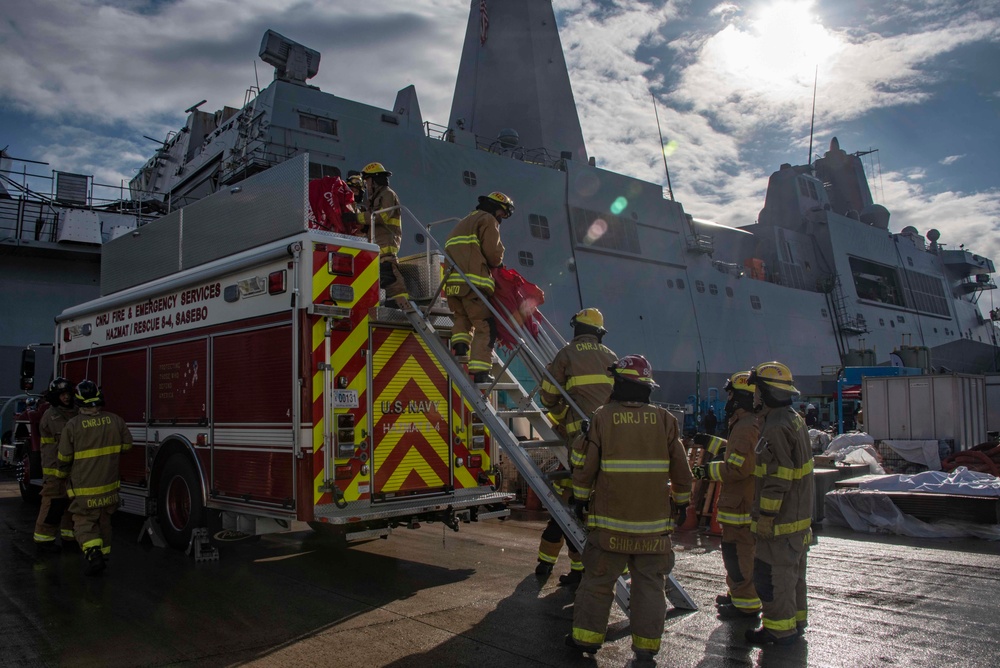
x=778 y=49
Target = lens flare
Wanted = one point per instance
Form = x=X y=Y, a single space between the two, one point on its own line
x=670 y=148
x=619 y=205
x=596 y=230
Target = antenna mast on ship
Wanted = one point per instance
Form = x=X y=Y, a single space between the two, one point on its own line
x=812 y=119
x=670 y=190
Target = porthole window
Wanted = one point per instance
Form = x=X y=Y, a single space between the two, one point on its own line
x=713 y=289
x=419 y=238
x=699 y=286
x=680 y=283
x=909 y=261
x=892 y=323
x=881 y=322
x=539 y=226
x=469 y=178
x=525 y=259
x=823 y=312
x=900 y=318
x=755 y=302
x=670 y=283
x=729 y=292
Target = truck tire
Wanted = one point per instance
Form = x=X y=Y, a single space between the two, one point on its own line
x=180 y=508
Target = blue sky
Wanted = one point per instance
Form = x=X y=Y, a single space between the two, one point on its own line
x=84 y=80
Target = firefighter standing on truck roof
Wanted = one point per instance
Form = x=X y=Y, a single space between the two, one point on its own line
x=89 y=450
x=475 y=248
x=52 y=516
x=581 y=368
x=383 y=216
x=735 y=471
x=783 y=508
x=635 y=470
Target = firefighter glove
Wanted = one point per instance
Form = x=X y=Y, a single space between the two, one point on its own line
x=585 y=426
x=579 y=508
x=765 y=526
x=700 y=472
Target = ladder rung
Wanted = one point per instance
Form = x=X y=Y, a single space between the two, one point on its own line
x=519 y=413
x=536 y=444
x=552 y=476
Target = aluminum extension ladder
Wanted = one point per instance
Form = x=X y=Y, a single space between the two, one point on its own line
x=535 y=354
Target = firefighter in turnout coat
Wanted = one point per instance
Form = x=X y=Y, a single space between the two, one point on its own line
x=475 y=248
x=383 y=217
x=52 y=516
x=89 y=450
x=581 y=368
x=636 y=478
x=783 y=508
x=735 y=471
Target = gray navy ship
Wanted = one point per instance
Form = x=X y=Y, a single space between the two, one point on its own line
x=818 y=282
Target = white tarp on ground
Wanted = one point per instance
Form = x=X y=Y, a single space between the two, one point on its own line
x=918 y=452
x=959 y=481
x=856 y=448
x=871 y=512
x=819 y=439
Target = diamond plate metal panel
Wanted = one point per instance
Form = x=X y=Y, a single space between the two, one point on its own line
x=264 y=208
x=148 y=253
x=422 y=274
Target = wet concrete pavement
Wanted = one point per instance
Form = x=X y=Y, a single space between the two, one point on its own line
x=431 y=597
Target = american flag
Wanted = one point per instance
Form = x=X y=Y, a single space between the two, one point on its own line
x=484 y=22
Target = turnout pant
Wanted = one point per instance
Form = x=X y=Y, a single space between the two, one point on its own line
x=737 y=556
x=780 y=577
x=595 y=594
x=93 y=528
x=390 y=278
x=52 y=516
x=472 y=315
x=552 y=542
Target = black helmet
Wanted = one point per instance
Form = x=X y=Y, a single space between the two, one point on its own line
x=59 y=386
x=88 y=395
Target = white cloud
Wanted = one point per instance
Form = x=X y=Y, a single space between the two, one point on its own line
x=951 y=159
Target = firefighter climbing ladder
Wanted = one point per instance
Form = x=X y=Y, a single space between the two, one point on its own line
x=535 y=354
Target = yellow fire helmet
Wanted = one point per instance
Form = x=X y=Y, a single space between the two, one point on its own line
x=375 y=168
x=590 y=317
x=775 y=375
x=501 y=199
x=355 y=181
x=740 y=382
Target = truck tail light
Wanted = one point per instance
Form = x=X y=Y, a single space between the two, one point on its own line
x=340 y=264
x=342 y=472
x=276 y=282
x=475 y=461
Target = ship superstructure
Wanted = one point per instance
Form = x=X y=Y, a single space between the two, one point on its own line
x=816 y=282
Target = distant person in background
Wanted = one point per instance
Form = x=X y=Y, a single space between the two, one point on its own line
x=711 y=422
x=812 y=416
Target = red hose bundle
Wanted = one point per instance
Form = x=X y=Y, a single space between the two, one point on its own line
x=329 y=199
x=521 y=299
x=983 y=458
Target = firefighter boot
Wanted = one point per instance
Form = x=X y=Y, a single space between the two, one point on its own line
x=730 y=611
x=43 y=548
x=483 y=378
x=723 y=599
x=762 y=636
x=543 y=568
x=579 y=647
x=95 y=561
x=571 y=579
x=643 y=657
x=461 y=351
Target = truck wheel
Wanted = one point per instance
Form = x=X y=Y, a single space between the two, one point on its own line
x=179 y=508
x=29 y=493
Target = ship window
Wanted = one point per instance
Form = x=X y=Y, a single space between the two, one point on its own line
x=925 y=293
x=318 y=171
x=539 y=226
x=729 y=292
x=824 y=313
x=680 y=283
x=713 y=289
x=327 y=126
x=670 y=283
x=935 y=330
x=755 y=302
x=526 y=259
x=892 y=323
x=469 y=178
x=881 y=322
x=699 y=286
x=900 y=318
x=909 y=261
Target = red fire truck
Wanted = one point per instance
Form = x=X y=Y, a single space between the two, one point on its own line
x=264 y=388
